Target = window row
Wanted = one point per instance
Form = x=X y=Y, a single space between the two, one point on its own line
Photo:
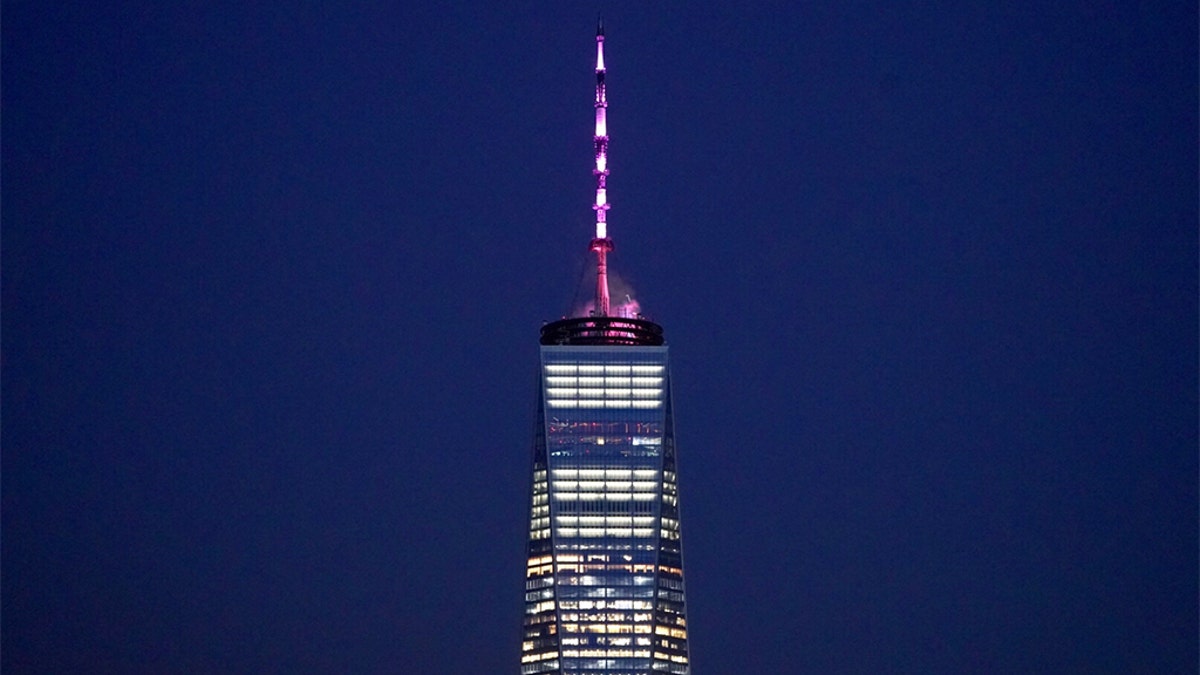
x=640 y=507
x=616 y=404
x=606 y=580
x=604 y=474
x=611 y=653
x=601 y=485
x=573 y=381
x=609 y=369
x=605 y=521
x=607 y=604
x=618 y=532
x=585 y=640
x=607 y=496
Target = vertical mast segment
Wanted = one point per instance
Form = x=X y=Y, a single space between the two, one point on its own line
x=602 y=245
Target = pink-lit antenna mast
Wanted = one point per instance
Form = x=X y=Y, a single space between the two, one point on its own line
x=602 y=245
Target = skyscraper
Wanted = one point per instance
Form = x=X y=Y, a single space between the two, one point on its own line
x=604 y=587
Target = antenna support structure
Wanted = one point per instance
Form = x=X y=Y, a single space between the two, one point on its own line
x=602 y=245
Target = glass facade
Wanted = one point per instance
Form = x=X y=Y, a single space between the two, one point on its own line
x=604 y=578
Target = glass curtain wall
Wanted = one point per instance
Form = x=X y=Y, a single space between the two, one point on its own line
x=604 y=582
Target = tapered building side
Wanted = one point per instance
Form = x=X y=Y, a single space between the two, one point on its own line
x=604 y=591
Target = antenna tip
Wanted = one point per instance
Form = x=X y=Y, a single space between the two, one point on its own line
x=599 y=25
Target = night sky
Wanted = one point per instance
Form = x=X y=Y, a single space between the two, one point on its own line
x=273 y=278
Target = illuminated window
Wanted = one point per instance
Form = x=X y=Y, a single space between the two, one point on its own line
x=607 y=502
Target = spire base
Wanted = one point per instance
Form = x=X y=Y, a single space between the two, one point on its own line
x=601 y=244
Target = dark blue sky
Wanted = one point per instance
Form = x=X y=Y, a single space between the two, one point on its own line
x=273 y=279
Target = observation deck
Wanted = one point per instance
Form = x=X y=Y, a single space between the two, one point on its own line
x=602 y=330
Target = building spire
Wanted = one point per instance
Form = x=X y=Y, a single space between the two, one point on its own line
x=602 y=245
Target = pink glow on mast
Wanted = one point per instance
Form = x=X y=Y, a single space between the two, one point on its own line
x=602 y=245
